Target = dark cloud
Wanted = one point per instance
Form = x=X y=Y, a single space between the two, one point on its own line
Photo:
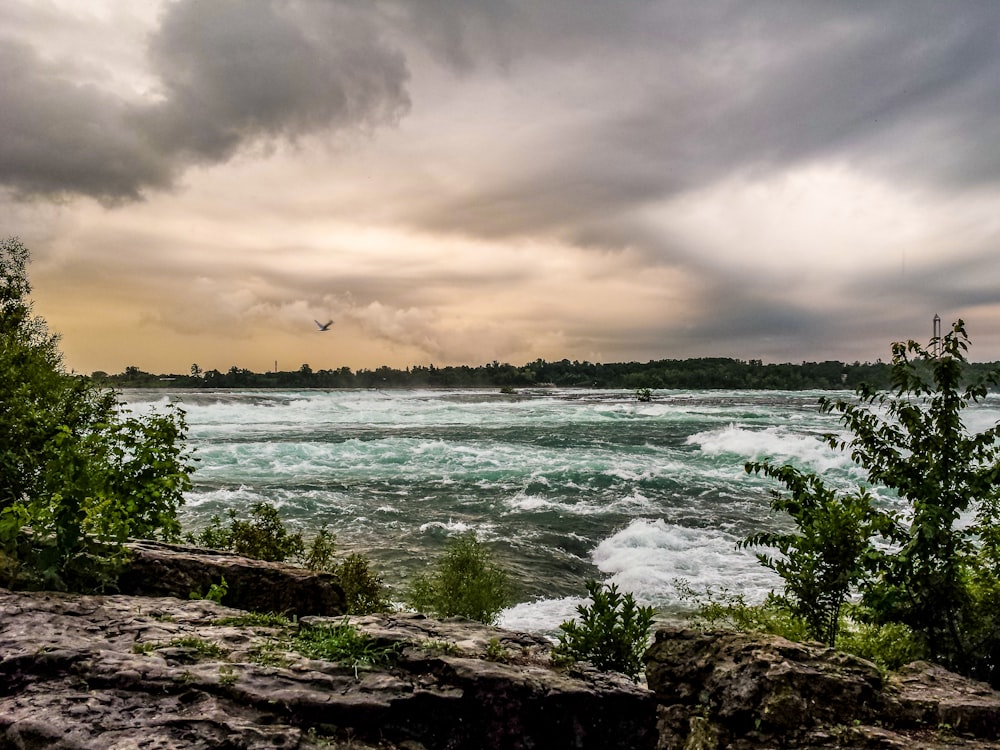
x=660 y=98
x=58 y=137
x=233 y=71
x=231 y=74
x=684 y=94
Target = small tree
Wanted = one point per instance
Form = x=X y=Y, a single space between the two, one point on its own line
x=914 y=441
x=936 y=576
x=826 y=557
x=75 y=466
x=466 y=583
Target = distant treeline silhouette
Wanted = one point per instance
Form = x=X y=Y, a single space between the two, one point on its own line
x=706 y=372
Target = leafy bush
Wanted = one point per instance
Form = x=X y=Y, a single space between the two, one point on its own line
x=363 y=589
x=321 y=552
x=725 y=609
x=825 y=558
x=933 y=574
x=263 y=536
x=466 y=583
x=891 y=645
x=611 y=632
x=76 y=466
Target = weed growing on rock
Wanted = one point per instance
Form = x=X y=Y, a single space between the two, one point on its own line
x=436 y=646
x=611 y=633
x=495 y=651
x=255 y=620
x=342 y=643
x=216 y=592
x=271 y=654
x=203 y=649
x=227 y=675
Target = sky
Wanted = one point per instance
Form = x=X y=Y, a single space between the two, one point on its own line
x=463 y=181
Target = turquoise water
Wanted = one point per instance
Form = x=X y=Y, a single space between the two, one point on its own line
x=563 y=485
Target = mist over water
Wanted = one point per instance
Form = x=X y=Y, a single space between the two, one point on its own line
x=562 y=484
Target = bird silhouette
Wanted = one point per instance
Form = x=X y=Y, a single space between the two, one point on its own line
x=323 y=326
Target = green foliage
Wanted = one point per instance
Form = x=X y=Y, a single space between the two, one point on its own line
x=891 y=645
x=216 y=592
x=227 y=675
x=203 y=649
x=725 y=609
x=342 y=643
x=495 y=651
x=76 y=466
x=321 y=552
x=934 y=575
x=363 y=589
x=262 y=536
x=255 y=620
x=643 y=395
x=466 y=583
x=611 y=633
x=825 y=558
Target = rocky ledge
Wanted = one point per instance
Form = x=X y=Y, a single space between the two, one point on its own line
x=108 y=672
x=744 y=692
x=129 y=671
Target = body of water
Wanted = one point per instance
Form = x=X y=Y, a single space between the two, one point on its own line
x=563 y=485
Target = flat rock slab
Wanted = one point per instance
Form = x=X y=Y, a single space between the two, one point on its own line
x=109 y=672
x=161 y=569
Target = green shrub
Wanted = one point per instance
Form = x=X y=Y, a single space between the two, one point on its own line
x=261 y=536
x=611 y=633
x=76 y=466
x=823 y=560
x=264 y=537
x=725 y=609
x=890 y=645
x=927 y=570
x=363 y=589
x=466 y=583
x=321 y=552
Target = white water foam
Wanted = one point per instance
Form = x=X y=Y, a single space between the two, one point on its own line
x=778 y=444
x=648 y=556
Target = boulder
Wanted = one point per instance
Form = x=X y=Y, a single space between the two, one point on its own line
x=159 y=569
x=109 y=672
x=721 y=689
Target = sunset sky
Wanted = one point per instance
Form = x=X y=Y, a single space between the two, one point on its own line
x=462 y=181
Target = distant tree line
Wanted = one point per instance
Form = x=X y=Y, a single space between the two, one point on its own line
x=705 y=372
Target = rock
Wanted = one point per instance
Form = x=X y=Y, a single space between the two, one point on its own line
x=109 y=672
x=159 y=569
x=734 y=690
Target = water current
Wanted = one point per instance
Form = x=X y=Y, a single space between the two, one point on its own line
x=561 y=484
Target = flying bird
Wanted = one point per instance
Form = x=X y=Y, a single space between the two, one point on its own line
x=323 y=326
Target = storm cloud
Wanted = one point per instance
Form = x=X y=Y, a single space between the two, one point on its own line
x=465 y=179
x=229 y=75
